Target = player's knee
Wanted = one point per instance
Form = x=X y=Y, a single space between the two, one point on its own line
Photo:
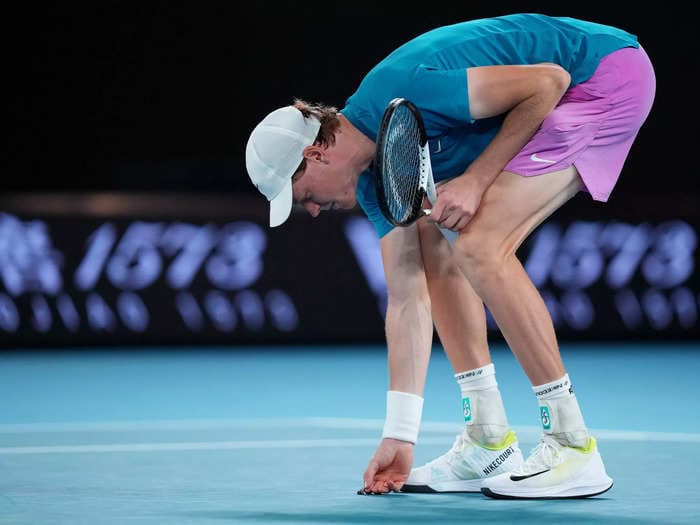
x=481 y=253
x=476 y=250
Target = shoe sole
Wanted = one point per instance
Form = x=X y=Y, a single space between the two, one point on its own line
x=596 y=492
x=470 y=486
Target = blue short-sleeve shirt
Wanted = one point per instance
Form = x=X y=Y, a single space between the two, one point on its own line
x=430 y=71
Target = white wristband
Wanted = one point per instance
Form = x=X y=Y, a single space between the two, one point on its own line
x=403 y=415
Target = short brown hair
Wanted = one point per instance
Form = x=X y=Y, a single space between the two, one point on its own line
x=327 y=116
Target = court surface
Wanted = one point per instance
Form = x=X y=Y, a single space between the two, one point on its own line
x=282 y=436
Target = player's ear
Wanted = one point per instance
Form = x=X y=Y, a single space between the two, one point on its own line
x=315 y=153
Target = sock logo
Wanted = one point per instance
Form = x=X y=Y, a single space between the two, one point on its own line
x=470 y=374
x=546 y=419
x=467 y=409
x=554 y=388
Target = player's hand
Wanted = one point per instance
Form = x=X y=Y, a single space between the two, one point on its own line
x=389 y=467
x=457 y=202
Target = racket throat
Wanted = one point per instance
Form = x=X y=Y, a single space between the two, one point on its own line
x=427 y=183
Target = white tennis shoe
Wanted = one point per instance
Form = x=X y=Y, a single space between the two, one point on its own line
x=553 y=471
x=465 y=465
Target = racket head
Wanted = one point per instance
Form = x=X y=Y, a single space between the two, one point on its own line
x=398 y=162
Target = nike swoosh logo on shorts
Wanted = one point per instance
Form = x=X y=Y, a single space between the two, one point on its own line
x=535 y=158
x=520 y=478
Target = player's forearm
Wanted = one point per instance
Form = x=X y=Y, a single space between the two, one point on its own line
x=409 y=334
x=519 y=125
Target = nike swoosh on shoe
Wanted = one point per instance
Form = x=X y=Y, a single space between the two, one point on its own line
x=520 y=478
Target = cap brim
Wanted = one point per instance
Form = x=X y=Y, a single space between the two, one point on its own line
x=281 y=205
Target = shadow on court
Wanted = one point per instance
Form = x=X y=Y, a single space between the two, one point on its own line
x=447 y=509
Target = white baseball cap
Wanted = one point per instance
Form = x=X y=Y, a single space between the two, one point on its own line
x=274 y=151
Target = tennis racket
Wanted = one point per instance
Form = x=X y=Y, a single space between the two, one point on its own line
x=404 y=176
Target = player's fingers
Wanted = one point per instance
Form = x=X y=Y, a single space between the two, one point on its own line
x=437 y=211
x=450 y=221
x=395 y=486
x=379 y=487
x=370 y=472
x=461 y=223
x=441 y=186
x=450 y=218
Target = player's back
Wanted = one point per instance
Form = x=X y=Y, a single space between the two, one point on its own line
x=524 y=38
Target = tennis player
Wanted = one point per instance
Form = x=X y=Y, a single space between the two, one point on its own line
x=523 y=112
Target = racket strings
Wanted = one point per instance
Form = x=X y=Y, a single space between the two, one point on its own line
x=402 y=159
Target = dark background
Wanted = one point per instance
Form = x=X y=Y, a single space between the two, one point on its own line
x=161 y=96
x=125 y=115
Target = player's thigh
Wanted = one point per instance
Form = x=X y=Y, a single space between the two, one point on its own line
x=512 y=207
x=436 y=251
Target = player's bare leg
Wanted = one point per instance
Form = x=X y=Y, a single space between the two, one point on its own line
x=485 y=251
x=567 y=462
x=460 y=319
x=457 y=310
x=487 y=446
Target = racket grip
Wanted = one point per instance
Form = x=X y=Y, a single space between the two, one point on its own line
x=449 y=235
x=446 y=233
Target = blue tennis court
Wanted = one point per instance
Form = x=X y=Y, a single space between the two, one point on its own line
x=282 y=435
x=166 y=355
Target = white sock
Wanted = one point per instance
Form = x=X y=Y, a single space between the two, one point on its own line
x=560 y=414
x=483 y=409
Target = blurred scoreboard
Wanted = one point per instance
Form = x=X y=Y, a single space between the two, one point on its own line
x=106 y=272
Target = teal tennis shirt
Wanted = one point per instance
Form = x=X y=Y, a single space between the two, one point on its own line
x=430 y=71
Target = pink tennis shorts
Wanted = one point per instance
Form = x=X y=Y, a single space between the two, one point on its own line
x=594 y=124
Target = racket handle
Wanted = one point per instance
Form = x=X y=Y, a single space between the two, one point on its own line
x=450 y=235
x=446 y=233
